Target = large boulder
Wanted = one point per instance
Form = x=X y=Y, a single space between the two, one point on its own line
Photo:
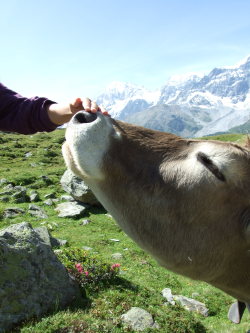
x=78 y=189
x=32 y=280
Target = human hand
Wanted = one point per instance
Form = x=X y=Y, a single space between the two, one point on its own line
x=61 y=114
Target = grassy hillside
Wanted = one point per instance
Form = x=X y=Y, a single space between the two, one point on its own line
x=141 y=279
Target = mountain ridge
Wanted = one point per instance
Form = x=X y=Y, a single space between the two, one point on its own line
x=206 y=104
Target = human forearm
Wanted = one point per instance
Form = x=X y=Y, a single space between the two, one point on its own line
x=60 y=114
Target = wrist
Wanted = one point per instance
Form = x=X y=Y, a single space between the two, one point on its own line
x=59 y=114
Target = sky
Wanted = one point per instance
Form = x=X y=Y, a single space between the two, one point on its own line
x=63 y=49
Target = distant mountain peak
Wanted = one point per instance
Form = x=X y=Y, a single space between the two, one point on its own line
x=182 y=79
x=194 y=103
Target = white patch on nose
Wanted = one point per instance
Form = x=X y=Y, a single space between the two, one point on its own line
x=88 y=144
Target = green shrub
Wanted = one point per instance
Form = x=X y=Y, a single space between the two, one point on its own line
x=89 y=271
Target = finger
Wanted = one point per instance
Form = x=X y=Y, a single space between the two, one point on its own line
x=86 y=104
x=94 y=107
x=104 y=111
x=78 y=103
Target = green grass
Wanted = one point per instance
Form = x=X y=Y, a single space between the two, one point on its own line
x=141 y=279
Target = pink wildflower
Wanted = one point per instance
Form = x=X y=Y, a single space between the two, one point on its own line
x=115 y=266
x=86 y=273
x=79 y=267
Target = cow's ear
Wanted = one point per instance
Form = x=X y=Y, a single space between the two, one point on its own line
x=245 y=223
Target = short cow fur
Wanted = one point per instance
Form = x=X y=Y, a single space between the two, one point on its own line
x=187 y=202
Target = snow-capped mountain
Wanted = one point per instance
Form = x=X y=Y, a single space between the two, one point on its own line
x=122 y=99
x=193 y=105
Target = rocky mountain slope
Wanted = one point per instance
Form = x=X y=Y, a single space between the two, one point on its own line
x=188 y=106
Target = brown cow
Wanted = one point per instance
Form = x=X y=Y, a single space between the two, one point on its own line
x=187 y=202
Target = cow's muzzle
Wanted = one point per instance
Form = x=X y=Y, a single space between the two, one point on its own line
x=82 y=117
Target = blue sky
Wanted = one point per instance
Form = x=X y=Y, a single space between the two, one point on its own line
x=71 y=48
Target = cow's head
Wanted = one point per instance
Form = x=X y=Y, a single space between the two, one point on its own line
x=187 y=202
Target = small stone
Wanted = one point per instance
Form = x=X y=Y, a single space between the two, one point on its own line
x=108 y=215
x=34 y=197
x=194 y=295
x=8 y=187
x=29 y=154
x=192 y=305
x=167 y=293
x=46 y=180
x=5 y=199
x=58 y=251
x=67 y=198
x=20 y=195
x=70 y=209
x=87 y=248
x=117 y=256
x=48 y=202
x=6 y=193
x=114 y=240
x=62 y=242
x=85 y=222
x=77 y=188
x=13 y=212
x=3 y=181
x=37 y=211
x=138 y=319
x=51 y=195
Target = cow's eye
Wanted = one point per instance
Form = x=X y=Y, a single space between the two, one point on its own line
x=208 y=163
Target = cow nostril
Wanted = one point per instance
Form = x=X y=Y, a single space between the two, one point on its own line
x=84 y=117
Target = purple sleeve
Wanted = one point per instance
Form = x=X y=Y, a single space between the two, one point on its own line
x=24 y=115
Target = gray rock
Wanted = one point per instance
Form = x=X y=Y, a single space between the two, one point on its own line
x=37 y=211
x=9 y=192
x=32 y=279
x=56 y=242
x=8 y=187
x=20 y=194
x=192 y=305
x=78 y=189
x=48 y=202
x=5 y=199
x=45 y=179
x=27 y=155
x=44 y=235
x=51 y=195
x=87 y=248
x=58 y=251
x=117 y=256
x=194 y=295
x=67 y=198
x=46 y=238
x=70 y=209
x=3 y=181
x=85 y=222
x=13 y=212
x=34 y=196
x=138 y=319
x=167 y=293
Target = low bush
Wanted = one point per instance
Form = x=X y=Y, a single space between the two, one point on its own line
x=89 y=271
